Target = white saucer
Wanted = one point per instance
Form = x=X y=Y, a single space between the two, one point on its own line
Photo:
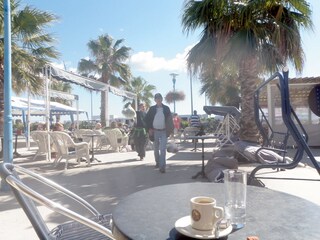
x=183 y=226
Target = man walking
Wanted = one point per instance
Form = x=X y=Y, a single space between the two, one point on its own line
x=195 y=120
x=160 y=126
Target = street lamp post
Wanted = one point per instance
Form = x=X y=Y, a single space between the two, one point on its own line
x=191 y=94
x=173 y=75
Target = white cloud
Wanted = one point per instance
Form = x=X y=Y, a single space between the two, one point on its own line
x=63 y=65
x=147 y=62
x=58 y=65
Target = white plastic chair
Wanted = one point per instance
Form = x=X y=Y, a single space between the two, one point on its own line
x=62 y=142
x=116 y=139
x=101 y=140
x=190 y=131
x=41 y=139
x=79 y=133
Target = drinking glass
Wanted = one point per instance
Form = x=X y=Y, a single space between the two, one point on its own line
x=235 y=191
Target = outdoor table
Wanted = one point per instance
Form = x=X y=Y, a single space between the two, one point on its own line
x=271 y=215
x=202 y=138
x=92 y=145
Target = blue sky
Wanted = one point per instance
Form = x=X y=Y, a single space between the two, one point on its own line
x=153 y=30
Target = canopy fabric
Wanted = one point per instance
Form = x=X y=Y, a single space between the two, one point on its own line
x=222 y=110
x=65 y=76
x=18 y=104
x=63 y=95
x=122 y=93
x=89 y=83
x=38 y=107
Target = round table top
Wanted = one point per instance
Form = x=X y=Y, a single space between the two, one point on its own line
x=203 y=137
x=152 y=213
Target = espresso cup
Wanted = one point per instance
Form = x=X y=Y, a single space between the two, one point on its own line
x=204 y=213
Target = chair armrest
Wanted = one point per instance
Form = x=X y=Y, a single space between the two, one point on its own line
x=20 y=186
x=271 y=155
x=80 y=144
x=272 y=149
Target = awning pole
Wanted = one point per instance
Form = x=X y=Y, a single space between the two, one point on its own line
x=77 y=106
x=28 y=123
x=47 y=94
x=91 y=106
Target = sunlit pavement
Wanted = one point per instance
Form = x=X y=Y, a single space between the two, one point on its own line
x=119 y=174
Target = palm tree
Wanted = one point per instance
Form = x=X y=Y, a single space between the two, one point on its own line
x=31 y=49
x=140 y=86
x=256 y=36
x=221 y=86
x=107 y=65
x=62 y=87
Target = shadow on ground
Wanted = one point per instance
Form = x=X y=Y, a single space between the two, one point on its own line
x=105 y=184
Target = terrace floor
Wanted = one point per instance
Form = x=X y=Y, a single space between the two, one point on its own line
x=104 y=184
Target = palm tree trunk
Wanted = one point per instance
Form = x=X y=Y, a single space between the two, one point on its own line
x=104 y=108
x=248 y=82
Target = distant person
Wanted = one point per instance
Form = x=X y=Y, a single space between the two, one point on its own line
x=58 y=127
x=160 y=127
x=113 y=124
x=194 y=120
x=98 y=126
x=71 y=130
x=72 y=127
x=122 y=128
x=139 y=132
x=41 y=126
x=176 y=123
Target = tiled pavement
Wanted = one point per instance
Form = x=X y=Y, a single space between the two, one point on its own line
x=120 y=174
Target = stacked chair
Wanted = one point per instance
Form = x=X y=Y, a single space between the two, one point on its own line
x=228 y=128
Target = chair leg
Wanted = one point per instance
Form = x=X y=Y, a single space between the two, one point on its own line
x=34 y=158
x=88 y=161
x=66 y=165
x=56 y=161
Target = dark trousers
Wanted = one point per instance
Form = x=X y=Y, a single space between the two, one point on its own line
x=140 y=142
